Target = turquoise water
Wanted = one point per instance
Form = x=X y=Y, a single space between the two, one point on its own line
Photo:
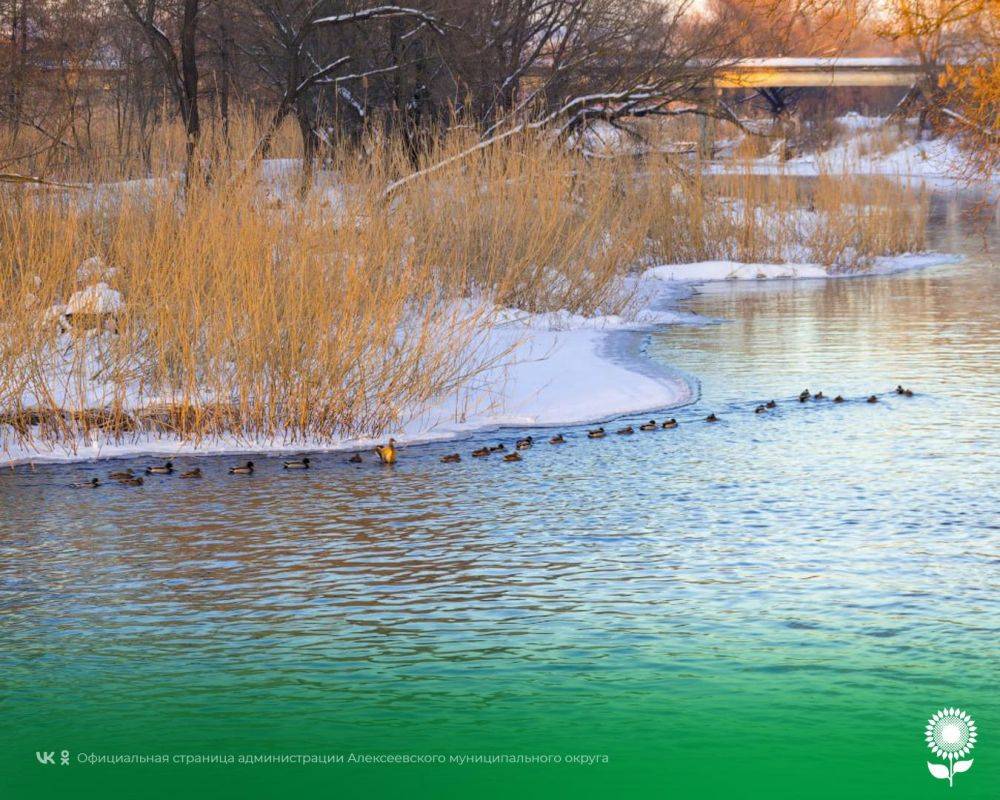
x=767 y=606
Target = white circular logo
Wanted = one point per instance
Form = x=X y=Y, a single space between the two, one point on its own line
x=951 y=734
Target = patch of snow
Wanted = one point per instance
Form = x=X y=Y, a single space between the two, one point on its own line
x=96 y=299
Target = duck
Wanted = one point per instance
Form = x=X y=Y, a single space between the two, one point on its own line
x=771 y=404
x=711 y=418
x=803 y=395
x=838 y=399
x=482 y=452
x=192 y=473
x=558 y=439
x=161 y=469
x=900 y=389
x=819 y=396
x=525 y=443
x=872 y=399
x=246 y=469
x=136 y=481
x=649 y=426
x=596 y=433
x=498 y=448
x=355 y=459
x=122 y=476
x=760 y=410
x=515 y=456
x=670 y=423
x=302 y=463
x=908 y=393
x=387 y=452
x=452 y=458
x=93 y=483
x=626 y=431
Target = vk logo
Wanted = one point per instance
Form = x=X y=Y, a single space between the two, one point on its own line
x=45 y=758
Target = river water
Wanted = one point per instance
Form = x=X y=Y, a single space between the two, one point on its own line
x=768 y=605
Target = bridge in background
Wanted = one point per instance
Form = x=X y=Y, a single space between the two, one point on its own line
x=791 y=73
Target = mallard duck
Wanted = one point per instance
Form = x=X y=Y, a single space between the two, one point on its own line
x=246 y=469
x=908 y=393
x=136 y=481
x=355 y=459
x=387 y=452
x=626 y=431
x=121 y=476
x=482 y=452
x=161 y=469
x=711 y=418
x=838 y=399
x=515 y=456
x=872 y=399
x=597 y=433
x=498 y=448
x=670 y=423
x=771 y=404
x=302 y=463
x=649 y=426
x=192 y=473
x=525 y=443
x=453 y=458
x=819 y=396
x=803 y=395
x=760 y=410
x=558 y=439
x=93 y=483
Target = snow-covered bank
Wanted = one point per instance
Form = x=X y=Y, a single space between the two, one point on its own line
x=564 y=370
x=705 y=271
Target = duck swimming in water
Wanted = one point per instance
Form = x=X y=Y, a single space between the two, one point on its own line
x=649 y=426
x=302 y=463
x=162 y=469
x=711 y=418
x=597 y=433
x=627 y=431
x=900 y=389
x=355 y=459
x=760 y=410
x=908 y=393
x=246 y=469
x=818 y=396
x=498 y=448
x=482 y=452
x=136 y=481
x=668 y=424
x=192 y=473
x=803 y=395
x=387 y=452
x=452 y=458
x=838 y=399
x=93 y=483
x=122 y=476
x=525 y=443
x=771 y=404
x=558 y=439
x=872 y=399
x=515 y=456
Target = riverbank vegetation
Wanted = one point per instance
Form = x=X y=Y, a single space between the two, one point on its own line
x=227 y=302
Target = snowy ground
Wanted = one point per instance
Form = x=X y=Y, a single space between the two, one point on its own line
x=565 y=370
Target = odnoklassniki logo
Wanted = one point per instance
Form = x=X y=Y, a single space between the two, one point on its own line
x=951 y=734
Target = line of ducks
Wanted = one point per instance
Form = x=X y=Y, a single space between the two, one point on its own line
x=387 y=453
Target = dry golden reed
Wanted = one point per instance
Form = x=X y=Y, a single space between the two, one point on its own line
x=254 y=310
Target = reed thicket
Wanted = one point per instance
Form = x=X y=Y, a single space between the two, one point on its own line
x=253 y=310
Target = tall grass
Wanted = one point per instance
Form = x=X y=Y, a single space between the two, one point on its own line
x=251 y=310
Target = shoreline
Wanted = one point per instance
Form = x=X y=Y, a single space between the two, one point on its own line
x=567 y=371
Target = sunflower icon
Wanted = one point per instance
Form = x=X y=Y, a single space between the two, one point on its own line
x=951 y=734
